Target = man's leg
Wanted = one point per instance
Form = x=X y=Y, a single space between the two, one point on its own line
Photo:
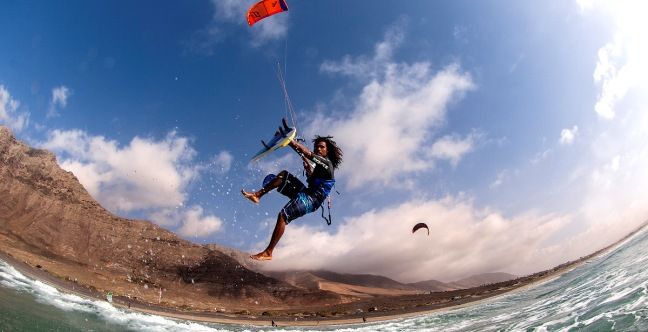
x=275 y=183
x=266 y=255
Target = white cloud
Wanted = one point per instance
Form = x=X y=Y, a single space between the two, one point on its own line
x=616 y=193
x=195 y=224
x=269 y=29
x=452 y=148
x=9 y=114
x=395 y=116
x=58 y=101
x=622 y=62
x=463 y=240
x=144 y=174
x=190 y=222
x=567 y=136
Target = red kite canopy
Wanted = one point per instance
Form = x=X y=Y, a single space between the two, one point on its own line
x=265 y=8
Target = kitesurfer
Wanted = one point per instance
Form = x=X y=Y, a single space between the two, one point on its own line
x=303 y=200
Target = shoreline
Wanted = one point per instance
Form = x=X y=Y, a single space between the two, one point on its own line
x=66 y=286
x=473 y=296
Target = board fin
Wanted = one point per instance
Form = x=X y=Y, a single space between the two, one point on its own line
x=285 y=124
x=281 y=138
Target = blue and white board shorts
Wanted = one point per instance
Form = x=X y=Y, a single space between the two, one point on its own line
x=301 y=203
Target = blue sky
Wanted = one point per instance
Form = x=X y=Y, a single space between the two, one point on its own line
x=517 y=131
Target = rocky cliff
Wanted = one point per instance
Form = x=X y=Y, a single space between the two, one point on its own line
x=48 y=220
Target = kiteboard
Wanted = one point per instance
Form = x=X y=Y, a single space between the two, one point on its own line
x=281 y=138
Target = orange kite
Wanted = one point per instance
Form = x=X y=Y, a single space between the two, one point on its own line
x=265 y=8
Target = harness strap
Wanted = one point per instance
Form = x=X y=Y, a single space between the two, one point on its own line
x=328 y=220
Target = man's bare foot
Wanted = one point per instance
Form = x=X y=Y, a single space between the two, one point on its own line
x=250 y=196
x=262 y=256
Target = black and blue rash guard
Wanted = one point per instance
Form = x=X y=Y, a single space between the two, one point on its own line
x=322 y=179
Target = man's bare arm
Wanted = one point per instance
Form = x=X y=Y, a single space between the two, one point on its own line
x=299 y=148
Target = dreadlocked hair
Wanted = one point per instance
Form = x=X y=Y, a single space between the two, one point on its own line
x=334 y=152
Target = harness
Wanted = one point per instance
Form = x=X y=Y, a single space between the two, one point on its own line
x=328 y=205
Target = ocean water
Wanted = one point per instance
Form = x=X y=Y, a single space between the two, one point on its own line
x=609 y=293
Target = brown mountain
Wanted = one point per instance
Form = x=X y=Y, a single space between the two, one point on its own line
x=483 y=279
x=434 y=286
x=470 y=282
x=47 y=219
x=357 y=285
x=363 y=285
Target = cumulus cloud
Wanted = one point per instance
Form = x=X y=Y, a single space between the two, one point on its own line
x=145 y=175
x=268 y=30
x=9 y=115
x=622 y=62
x=567 y=136
x=463 y=240
x=615 y=193
x=142 y=175
x=613 y=80
x=395 y=116
x=452 y=148
x=195 y=224
x=190 y=222
x=58 y=100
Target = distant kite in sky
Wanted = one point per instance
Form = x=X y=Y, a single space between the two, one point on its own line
x=419 y=226
x=265 y=8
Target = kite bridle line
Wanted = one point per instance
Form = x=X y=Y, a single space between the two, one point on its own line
x=290 y=111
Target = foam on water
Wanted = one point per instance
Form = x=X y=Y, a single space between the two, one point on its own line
x=126 y=319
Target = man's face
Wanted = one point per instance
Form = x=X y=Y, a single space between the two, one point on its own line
x=320 y=149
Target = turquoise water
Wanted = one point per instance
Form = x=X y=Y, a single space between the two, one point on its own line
x=608 y=293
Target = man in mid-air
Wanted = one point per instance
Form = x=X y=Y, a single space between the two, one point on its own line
x=326 y=158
